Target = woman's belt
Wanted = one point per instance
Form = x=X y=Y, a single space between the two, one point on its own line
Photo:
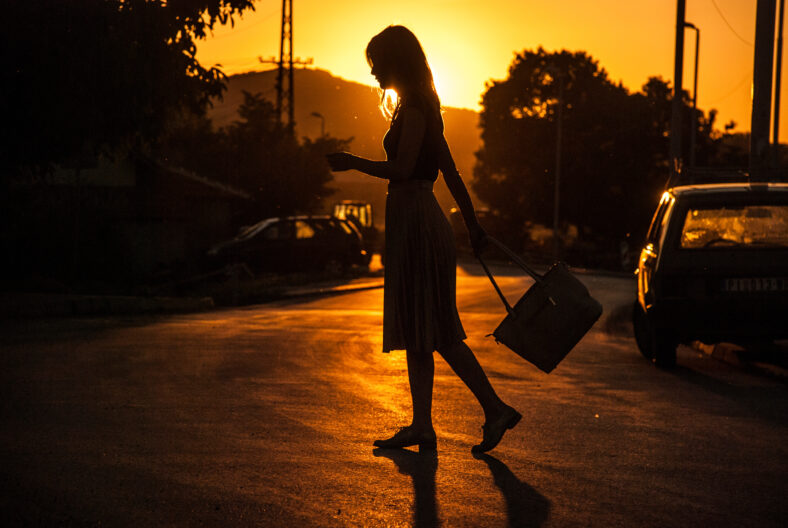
x=410 y=184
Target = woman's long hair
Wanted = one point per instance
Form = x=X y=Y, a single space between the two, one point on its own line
x=397 y=51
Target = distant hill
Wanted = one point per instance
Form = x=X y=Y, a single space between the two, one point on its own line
x=350 y=109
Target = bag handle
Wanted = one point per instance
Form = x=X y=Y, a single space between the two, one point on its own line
x=517 y=260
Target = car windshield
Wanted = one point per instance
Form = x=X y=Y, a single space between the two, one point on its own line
x=249 y=231
x=735 y=226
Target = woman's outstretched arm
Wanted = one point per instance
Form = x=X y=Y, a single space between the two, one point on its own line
x=399 y=168
x=460 y=193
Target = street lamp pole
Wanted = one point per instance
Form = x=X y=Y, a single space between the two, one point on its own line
x=678 y=70
x=694 y=131
x=557 y=74
x=556 y=194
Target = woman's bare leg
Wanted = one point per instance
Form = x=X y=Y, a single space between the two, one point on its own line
x=464 y=363
x=421 y=370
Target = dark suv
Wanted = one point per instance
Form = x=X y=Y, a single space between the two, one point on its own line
x=714 y=268
x=295 y=243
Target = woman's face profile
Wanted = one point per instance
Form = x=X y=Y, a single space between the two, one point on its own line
x=383 y=77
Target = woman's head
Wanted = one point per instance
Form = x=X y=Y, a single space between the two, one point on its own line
x=398 y=61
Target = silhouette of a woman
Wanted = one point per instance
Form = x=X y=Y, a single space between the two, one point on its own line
x=419 y=307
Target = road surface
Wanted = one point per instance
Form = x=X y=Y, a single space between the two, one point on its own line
x=265 y=416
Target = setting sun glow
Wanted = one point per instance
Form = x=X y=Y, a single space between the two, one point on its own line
x=469 y=43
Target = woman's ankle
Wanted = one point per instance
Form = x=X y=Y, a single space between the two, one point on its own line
x=495 y=411
x=422 y=427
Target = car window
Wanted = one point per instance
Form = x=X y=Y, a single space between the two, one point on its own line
x=304 y=230
x=357 y=215
x=320 y=227
x=361 y=215
x=343 y=226
x=734 y=226
x=278 y=231
x=252 y=230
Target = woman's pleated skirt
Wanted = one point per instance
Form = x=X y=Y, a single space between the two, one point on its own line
x=419 y=295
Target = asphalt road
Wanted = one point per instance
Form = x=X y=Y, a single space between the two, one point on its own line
x=265 y=416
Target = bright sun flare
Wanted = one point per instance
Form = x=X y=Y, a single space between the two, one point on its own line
x=390 y=99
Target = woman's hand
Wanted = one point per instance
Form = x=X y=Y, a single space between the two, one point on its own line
x=340 y=161
x=478 y=239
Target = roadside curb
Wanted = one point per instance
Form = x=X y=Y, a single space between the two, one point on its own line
x=315 y=290
x=732 y=355
x=39 y=305
x=27 y=305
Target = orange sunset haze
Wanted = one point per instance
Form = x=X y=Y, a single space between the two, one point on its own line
x=469 y=43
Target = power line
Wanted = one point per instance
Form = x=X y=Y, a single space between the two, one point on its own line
x=728 y=23
x=747 y=76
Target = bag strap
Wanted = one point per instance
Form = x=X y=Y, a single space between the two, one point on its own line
x=517 y=260
x=509 y=308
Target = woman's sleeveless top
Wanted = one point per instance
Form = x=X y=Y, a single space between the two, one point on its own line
x=427 y=164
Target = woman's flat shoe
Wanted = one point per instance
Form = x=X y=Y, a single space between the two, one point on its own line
x=407 y=437
x=493 y=431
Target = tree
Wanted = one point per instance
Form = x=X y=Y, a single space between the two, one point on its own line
x=284 y=175
x=259 y=155
x=81 y=78
x=614 y=145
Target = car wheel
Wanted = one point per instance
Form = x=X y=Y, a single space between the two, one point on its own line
x=642 y=332
x=334 y=266
x=664 y=350
x=657 y=345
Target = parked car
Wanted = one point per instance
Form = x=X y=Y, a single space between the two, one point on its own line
x=295 y=243
x=359 y=213
x=714 y=268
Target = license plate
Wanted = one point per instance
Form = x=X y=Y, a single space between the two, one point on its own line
x=756 y=284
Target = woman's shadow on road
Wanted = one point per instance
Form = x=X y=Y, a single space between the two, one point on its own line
x=525 y=507
x=421 y=467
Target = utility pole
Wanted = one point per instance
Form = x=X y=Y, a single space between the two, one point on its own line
x=678 y=71
x=762 y=88
x=777 y=75
x=285 y=97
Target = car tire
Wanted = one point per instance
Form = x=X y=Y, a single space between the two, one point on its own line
x=664 y=350
x=656 y=345
x=642 y=331
x=334 y=266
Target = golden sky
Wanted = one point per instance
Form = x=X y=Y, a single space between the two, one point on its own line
x=469 y=42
